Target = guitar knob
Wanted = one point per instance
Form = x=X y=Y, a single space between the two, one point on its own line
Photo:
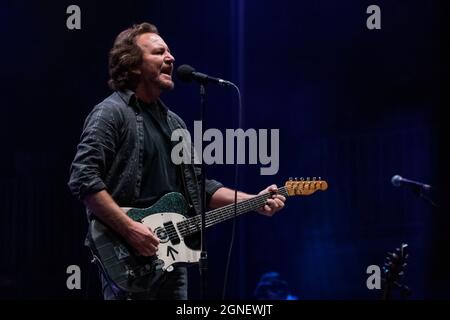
x=130 y=273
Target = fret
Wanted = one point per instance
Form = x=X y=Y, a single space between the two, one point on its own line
x=215 y=216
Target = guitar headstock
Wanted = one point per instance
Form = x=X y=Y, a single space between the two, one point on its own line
x=302 y=187
x=394 y=269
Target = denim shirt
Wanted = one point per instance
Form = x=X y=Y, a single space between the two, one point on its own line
x=110 y=154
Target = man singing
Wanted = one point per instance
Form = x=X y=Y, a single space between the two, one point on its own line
x=123 y=158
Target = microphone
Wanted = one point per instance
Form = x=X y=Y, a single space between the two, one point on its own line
x=398 y=181
x=186 y=73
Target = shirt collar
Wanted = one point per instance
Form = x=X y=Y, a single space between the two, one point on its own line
x=130 y=99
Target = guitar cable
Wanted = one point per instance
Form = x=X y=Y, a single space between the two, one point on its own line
x=236 y=184
x=88 y=280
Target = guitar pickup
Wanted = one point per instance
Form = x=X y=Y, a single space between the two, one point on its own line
x=172 y=232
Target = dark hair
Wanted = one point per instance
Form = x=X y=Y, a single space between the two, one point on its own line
x=126 y=56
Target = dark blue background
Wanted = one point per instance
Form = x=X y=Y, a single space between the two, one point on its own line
x=354 y=106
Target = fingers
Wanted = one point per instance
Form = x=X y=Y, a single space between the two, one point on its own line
x=267 y=211
x=148 y=250
x=147 y=243
x=280 y=197
x=274 y=189
x=275 y=203
x=153 y=239
x=280 y=204
x=150 y=244
x=272 y=206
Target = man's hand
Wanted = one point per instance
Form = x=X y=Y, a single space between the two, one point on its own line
x=142 y=239
x=272 y=205
x=136 y=234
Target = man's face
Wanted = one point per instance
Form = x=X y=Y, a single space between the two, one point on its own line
x=157 y=66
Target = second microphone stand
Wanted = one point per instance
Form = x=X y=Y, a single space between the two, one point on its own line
x=203 y=262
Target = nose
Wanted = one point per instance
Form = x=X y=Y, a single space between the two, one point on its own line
x=169 y=58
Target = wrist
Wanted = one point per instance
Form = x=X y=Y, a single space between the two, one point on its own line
x=126 y=226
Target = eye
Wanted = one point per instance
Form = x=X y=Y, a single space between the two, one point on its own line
x=158 y=51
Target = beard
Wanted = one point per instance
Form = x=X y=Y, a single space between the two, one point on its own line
x=165 y=83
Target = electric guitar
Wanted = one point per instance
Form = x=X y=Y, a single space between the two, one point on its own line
x=394 y=269
x=178 y=234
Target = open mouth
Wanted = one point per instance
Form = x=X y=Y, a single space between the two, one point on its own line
x=167 y=72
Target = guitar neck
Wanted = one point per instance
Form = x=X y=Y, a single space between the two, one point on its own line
x=192 y=225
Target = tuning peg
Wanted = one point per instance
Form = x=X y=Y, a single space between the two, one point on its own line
x=302 y=179
x=307 y=179
x=296 y=179
x=320 y=178
x=290 y=178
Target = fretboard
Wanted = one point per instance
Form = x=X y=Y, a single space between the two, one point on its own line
x=192 y=225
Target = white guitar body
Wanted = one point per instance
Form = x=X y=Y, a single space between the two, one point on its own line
x=169 y=252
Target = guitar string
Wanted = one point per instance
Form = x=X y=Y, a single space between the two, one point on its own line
x=192 y=225
x=223 y=213
x=226 y=212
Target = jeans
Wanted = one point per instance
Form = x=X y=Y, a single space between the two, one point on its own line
x=164 y=286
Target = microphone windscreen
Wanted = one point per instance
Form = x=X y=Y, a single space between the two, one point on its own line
x=184 y=72
x=396 y=180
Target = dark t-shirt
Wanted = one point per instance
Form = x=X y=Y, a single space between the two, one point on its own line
x=160 y=175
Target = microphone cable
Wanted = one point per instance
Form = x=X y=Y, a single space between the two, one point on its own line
x=236 y=185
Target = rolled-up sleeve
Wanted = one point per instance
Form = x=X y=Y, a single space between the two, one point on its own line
x=95 y=152
x=211 y=185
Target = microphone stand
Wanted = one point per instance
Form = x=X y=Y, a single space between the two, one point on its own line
x=203 y=262
x=419 y=191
